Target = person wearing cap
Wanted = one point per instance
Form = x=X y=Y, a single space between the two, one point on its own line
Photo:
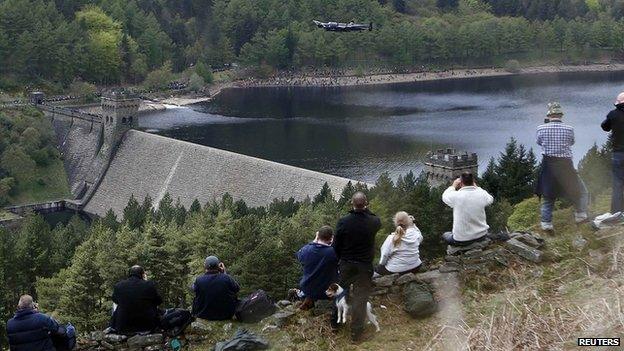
x=137 y=301
x=216 y=293
x=30 y=329
x=557 y=177
x=614 y=123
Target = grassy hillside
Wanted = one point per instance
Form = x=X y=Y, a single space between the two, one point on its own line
x=576 y=292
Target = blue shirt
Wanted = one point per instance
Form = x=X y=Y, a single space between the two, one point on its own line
x=556 y=139
x=215 y=296
x=30 y=330
x=320 y=269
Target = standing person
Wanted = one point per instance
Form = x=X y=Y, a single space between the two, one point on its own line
x=137 y=302
x=31 y=330
x=614 y=123
x=400 y=252
x=468 y=202
x=320 y=267
x=355 y=248
x=216 y=293
x=557 y=177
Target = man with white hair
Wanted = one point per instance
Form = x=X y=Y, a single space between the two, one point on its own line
x=614 y=123
x=30 y=329
x=557 y=177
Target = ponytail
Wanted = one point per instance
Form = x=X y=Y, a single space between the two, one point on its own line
x=398 y=235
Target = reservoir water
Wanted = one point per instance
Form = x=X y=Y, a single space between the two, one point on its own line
x=361 y=132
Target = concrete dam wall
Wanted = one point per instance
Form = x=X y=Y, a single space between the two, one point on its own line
x=147 y=164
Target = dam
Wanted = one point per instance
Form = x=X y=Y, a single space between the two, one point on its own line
x=108 y=161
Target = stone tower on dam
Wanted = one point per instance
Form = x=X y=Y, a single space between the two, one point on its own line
x=119 y=114
x=445 y=165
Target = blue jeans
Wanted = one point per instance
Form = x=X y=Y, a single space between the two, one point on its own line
x=617 y=198
x=548 y=204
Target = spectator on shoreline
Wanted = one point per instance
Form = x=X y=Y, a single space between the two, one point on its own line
x=216 y=293
x=355 y=248
x=320 y=267
x=614 y=123
x=137 y=301
x=557 y=177
x=30 y=329
x=468 y=202
x=400 y=252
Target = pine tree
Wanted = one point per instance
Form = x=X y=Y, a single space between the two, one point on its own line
x=195 y=207
x=158 y=260
x=323 y=195
x=33 y=252
x=110 y=220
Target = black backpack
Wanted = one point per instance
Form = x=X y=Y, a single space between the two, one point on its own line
x=255 y=307
x=175 y=320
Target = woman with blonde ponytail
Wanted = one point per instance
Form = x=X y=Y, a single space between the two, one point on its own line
x=400 y=252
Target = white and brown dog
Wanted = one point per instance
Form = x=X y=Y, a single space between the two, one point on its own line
x=339 y=295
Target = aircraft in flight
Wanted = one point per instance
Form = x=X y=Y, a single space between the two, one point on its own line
x=343 y=27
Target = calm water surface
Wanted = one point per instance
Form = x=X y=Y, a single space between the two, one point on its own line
x=361 y=132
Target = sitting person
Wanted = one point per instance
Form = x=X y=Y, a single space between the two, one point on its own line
x=320 y=267
x=468 y=202
x=215 y=292
x=31 y=330
x=400 y=252
x=137 y=303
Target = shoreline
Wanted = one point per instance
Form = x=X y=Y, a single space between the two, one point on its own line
x=383 y=79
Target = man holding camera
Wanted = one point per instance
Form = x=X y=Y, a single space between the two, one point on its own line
x=216 y=293
x=557 y=177
x=468 y=202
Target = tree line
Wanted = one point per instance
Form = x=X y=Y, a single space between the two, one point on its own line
x=71 y=269
x=116 y=41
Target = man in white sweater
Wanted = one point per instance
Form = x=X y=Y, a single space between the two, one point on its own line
x=468 y=202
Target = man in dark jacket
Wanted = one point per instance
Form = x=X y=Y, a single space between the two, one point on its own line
x=320 y=267
x=614 y=123
x=215 y=292
x=31 y=330
x=137 y=302
x=355 y=248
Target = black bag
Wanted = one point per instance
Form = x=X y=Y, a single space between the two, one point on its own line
x=255 y=307
x=175 y=320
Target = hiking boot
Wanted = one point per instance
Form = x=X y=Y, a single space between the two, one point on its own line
x=307 y=304
x=581 y=217
x=548 y=228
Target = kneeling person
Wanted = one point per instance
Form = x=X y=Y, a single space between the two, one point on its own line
x=215 y=292
x=320 y=267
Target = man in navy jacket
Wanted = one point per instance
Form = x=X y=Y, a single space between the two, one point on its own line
x=215 y=292
x=31 y=330
x=320 y=267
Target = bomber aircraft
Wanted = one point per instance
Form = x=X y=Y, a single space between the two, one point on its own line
x=343 y=27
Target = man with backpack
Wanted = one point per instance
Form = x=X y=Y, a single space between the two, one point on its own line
x=354 y=244
x=30 y=330
x=216 y=293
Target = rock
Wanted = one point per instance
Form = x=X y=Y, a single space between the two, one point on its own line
x=280 y=319
x=107 y=345
x=529 y=240
x=418 y=300
x=380 y=291
x=199 y=327
x=385 y=280
x=450 y=267
x=429 y=276
x=154 y=348
x=115 y=338
x=395 y=289
x=579 y=243
x=480 y=245
x=500 y=236
x=322 y=307
x=227 y=327
x=405 y=278
x=455 y=259
x=284 y=303
x=97 y=335
x=523 y=250
x=145 y=340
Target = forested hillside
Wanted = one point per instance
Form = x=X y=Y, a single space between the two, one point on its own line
x=119 y=41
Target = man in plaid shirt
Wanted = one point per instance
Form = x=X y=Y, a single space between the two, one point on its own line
x=558 y=178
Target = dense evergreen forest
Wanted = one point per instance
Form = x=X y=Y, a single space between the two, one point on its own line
x=71 y=269
x=119 y=41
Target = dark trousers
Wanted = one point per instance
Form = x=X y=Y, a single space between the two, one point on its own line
x=617 y=199
x=359 y=275
x=382 y=270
